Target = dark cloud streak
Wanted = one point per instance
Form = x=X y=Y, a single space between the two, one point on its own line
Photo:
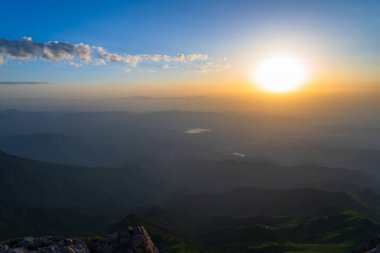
x=22 y=82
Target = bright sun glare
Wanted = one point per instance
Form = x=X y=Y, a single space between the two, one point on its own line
x=280 y=74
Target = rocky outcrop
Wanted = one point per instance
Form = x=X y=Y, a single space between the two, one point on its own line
x=47 y=244
x=375 y=250
x=370 y=246
x=126 y=240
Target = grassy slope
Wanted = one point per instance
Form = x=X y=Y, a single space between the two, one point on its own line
x=333 y=229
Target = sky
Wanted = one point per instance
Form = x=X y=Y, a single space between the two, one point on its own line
x=120 y=48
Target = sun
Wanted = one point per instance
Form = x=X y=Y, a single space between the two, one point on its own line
x=281 y=73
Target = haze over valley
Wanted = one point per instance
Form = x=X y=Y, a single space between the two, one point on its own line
x=190 y=126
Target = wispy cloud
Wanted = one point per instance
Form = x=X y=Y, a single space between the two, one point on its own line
x=102 y=56
x=21 y=82
x=215 y=66
x=78 y=54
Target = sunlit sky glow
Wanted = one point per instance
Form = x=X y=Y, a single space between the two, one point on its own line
x=280 y=73
x=143 y=46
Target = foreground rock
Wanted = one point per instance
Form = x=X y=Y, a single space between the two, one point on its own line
x=47 y=244
x=127 y=240
x=370 y=246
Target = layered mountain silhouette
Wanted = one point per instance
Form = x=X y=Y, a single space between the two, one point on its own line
x=198 y=207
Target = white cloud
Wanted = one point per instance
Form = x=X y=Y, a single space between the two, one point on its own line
x=84 y=52
x=197 y=57
x=215 y=66
x=78 y=54
x=132 y=60
x=181 y=57
x=26 y=49
x=167 y=66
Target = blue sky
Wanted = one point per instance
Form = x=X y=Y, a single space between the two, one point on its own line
x=184 y=25
x=340 y=34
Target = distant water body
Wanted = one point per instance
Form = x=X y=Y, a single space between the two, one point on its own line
x=196 y=130
x=238 y=154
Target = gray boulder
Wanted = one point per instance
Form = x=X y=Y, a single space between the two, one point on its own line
x=127 y=240
x=47 y=244
x=375 y=250
x=372 y=245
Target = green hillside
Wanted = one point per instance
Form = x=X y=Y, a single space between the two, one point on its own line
x=330 y=228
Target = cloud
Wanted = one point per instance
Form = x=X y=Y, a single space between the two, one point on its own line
x=167 y=66
x=215 y=66
x=26 y=49
x=83 y=51
x=197 y=57
x=127 y=70
x=104 y=56
x=181 y=57
x=21 y=82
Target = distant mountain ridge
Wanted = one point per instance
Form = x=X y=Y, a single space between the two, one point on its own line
x=42 y=183
x=113 y=138
x=43 y=198
x=215 y=213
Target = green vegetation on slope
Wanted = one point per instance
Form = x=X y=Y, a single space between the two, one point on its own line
x=335 y=228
